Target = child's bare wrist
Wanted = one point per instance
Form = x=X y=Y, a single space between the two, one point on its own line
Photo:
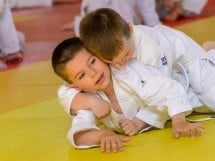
x=139 y=124
x=179 y=116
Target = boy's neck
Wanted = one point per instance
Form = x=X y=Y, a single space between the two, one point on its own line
x=109 y=91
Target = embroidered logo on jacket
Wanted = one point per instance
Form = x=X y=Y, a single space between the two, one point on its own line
x=164 y=60
x=143 y=82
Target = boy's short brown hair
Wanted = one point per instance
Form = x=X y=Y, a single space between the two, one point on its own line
x=103 y=31
x=63 y=53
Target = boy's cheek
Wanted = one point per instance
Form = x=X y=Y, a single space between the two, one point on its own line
x=119 y=66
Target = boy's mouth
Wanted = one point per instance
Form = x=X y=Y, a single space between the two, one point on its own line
x=101 y=79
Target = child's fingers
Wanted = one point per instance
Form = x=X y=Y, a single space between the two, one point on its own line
x=129 y=130
x=197 y=130
x=132 y=133
x=125 y=139
x=176 y=134
x=191 y=130
x=115 y=145
x=102 y=145
x=123 y=122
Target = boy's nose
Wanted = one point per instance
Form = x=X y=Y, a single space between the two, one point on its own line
x=92 y=72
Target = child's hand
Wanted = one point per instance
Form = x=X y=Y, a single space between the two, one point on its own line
x=182 y=128
x=186 y=129
x=111 y=142
x=99 y=107
x=208 y=45
x=128 y=126
x=86 y=101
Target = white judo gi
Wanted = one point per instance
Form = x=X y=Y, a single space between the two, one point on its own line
x=169 y=50
x=29 y=3
x=146 y=94
x=194 y=6
x=177 y=56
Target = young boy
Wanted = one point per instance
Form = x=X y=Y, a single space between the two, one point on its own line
x=115 y=41
x=164 y=96
x=153 y=46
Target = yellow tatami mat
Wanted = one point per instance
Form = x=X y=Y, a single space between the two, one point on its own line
x=27 y=85
x=38 y=133
x=33 y=125
x=201 y=30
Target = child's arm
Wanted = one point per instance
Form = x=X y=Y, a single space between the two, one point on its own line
x=85 y=133
x=109 y=141
x=84 y=101
x=72 y=99
x=180 y=127
x=208 y=45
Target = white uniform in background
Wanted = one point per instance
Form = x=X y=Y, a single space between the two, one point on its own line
x=126 y=8
x=146 y=94
x=147 y=11
x=29 y=3
x=194 y=6
x=10 y=40
x=168 y=49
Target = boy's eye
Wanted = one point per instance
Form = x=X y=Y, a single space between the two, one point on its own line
x=93 y=61
x=81 y=75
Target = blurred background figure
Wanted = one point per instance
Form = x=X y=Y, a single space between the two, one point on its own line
x=171 y=10
x=34 y=3
x=29 y=3
x=134 y=11
x=11 y=41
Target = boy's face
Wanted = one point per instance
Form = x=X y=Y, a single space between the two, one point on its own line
x=125 y=55
x=87 y=72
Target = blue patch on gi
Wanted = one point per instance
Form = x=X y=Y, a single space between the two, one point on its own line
x=164 y=60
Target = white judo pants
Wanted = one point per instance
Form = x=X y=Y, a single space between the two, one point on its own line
x=9 y=42
x=202 y=80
